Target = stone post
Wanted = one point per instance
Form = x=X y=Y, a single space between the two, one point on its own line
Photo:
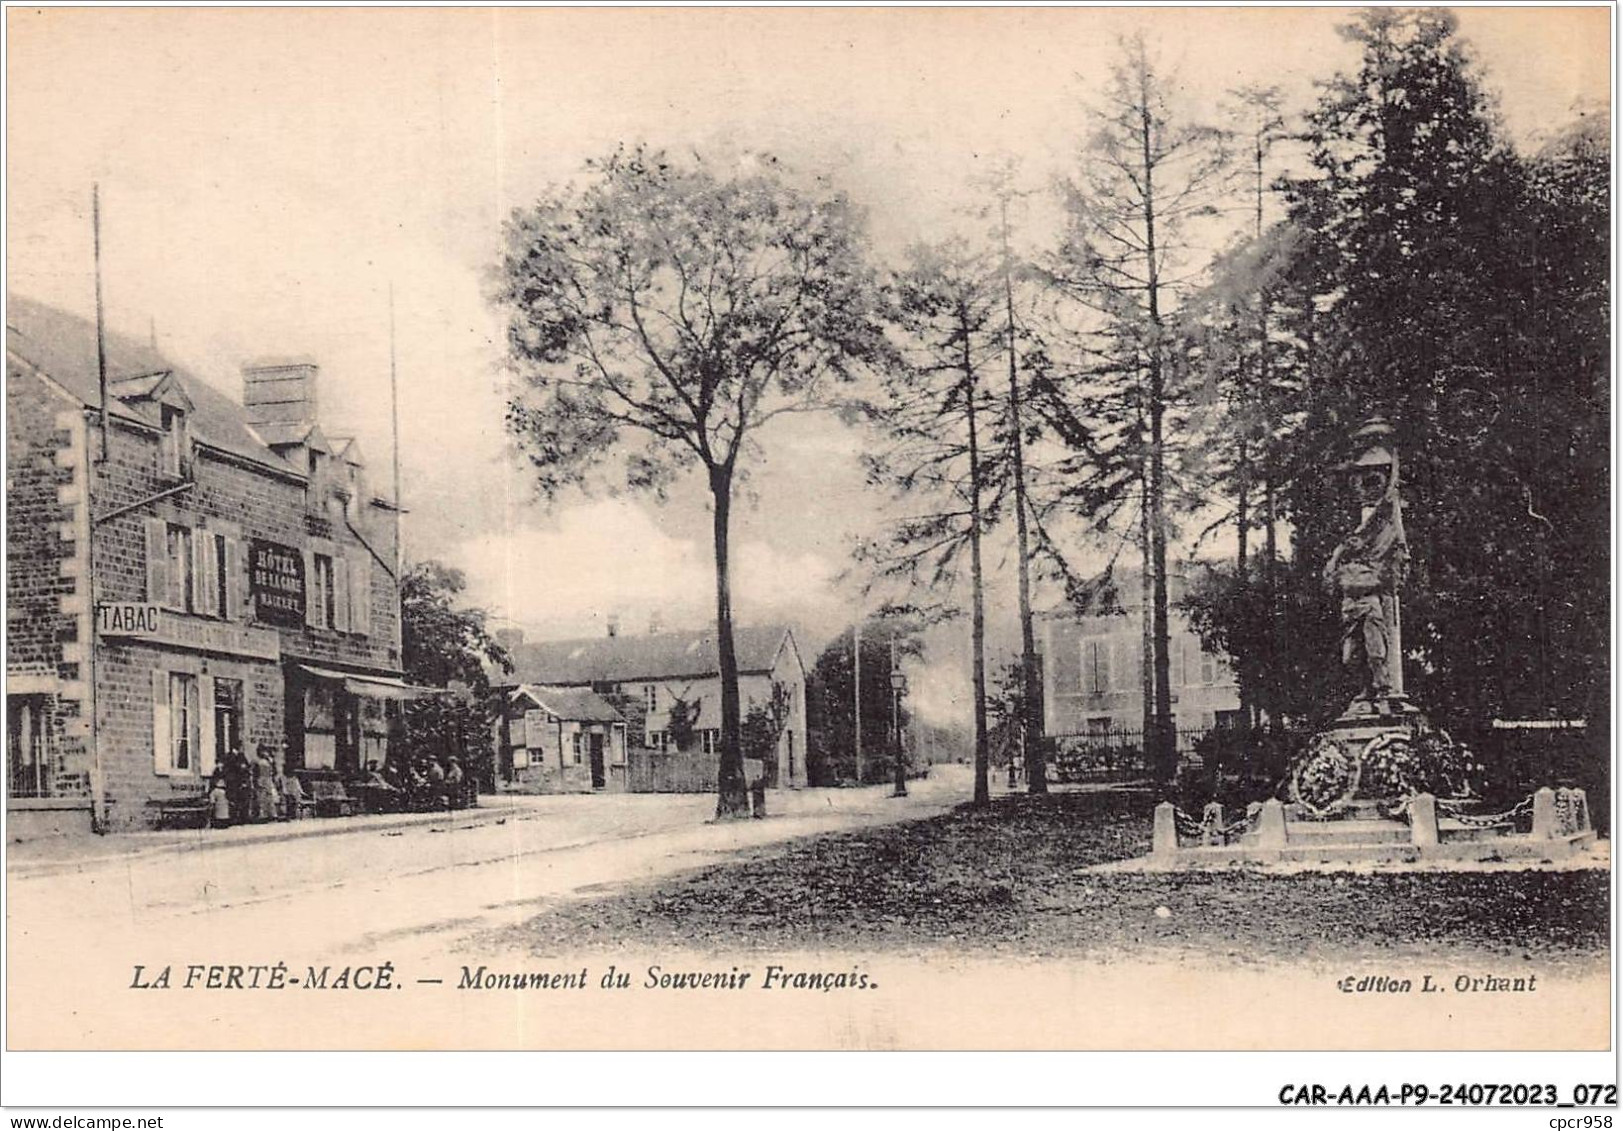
x=1165 y=843
x=1544 y=815
x=1580 y=811
x=1423 y=820
x=1271 y=824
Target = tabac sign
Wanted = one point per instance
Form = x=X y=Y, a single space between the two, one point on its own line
x=127 y=618
x=276 y=583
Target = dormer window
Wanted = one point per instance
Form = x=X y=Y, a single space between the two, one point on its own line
x=174 y=449
x=315 y=491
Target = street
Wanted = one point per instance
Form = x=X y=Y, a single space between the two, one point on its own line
x=429 y=910
x=408 y=894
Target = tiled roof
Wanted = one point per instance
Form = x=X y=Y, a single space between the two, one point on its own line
x=630 y=658
x=63 y=347
x=573 y=704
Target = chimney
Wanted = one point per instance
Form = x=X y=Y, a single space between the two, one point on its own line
x=510 y=638
x=280 y=391
x=614 y=625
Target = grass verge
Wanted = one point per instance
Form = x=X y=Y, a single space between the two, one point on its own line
x=1003 y=880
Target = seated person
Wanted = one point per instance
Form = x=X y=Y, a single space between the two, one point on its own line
x=293 y=798
x=382 y=795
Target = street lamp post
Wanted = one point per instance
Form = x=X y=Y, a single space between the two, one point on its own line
x=898 y=688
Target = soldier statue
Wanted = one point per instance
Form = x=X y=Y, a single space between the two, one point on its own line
x=1367 y=571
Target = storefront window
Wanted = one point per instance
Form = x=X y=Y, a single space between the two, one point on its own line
x=374 y=733
x=320 y=733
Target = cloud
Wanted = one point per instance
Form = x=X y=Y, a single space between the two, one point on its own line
x=615 y=558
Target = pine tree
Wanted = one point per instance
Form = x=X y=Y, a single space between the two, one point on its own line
x=1145 y=177
x=937 y=412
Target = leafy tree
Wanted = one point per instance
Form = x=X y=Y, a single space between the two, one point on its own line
x=441 y=640
x=831 y=700
x=444 y=643
x=681 y=724
x=661 y=315
x=1433 y=275
x=763 y=725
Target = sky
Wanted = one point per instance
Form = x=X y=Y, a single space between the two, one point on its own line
x=269 y=177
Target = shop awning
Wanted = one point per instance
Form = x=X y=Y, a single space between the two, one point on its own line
x=375 y=686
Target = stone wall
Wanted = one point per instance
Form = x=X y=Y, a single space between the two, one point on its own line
x=47 y=610
x=51 y=478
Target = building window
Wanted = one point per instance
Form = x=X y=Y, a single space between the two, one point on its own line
x=711 y=739
x=320 y=727
x=1100 y=724
x=1208 y=668
x=173 y=453
x=323 y=592
x=185 y=723
x=315 y=487
x=228 y=705
x=654 y=740
x=650 y=695
x=30 y=772
x=222 y=576
x=1095 y=665
x=575 y=746
x=375 y=722
x=182 y=578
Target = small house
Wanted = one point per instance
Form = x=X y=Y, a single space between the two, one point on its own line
x=666 y=688
x=561 y=740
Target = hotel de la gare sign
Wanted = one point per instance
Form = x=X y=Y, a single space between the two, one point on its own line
x=276 y=587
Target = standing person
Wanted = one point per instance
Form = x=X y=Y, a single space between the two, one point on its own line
x=266 y=803
x=238 y=786
x=219 y=803
x=453 y=786
x=436 y=784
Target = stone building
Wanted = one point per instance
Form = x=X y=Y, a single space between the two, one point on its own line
x=563 y=740
x=645 y=677
x=192 y=581
x=1093 y=668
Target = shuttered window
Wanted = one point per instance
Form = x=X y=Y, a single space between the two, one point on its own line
x=320 y=599
x=236 y=574
x=339 y=584
x=219 y=586
x=178 y=724
x=205 y=574
x=182 y=569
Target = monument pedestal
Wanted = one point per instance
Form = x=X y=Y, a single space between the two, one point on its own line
x=1427 y=830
